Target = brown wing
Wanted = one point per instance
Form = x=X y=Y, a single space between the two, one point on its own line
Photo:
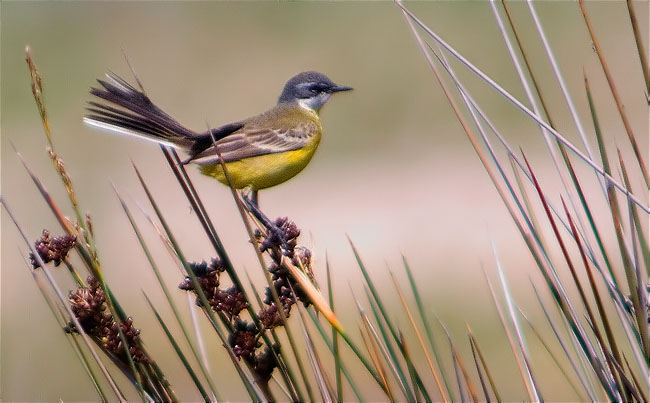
x=254 y=142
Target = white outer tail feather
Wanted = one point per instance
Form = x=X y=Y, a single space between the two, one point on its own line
x=120 y=130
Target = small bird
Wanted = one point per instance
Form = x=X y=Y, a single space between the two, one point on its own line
x=259 y=152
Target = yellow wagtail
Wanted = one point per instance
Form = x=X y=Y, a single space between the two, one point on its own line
x=259 y=152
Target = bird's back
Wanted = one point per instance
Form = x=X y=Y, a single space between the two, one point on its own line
x=282 y=117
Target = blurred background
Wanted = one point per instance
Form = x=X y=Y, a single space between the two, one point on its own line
x=394 y=170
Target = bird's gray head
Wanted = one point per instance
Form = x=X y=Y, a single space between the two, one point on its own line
x=310 y=90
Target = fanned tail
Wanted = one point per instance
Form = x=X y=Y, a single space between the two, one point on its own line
x=133 y=113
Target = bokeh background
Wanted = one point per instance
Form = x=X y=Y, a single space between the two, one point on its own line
x=394 y=170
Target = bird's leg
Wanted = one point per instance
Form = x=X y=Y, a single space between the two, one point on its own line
x=273 y=229
x=253 y=207
x=251 y=196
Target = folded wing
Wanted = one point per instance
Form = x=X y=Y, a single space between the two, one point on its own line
x=254 y=142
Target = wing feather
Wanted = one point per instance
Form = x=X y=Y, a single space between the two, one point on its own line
x=254 y=142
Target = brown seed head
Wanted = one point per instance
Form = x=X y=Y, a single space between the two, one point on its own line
x=52 y=249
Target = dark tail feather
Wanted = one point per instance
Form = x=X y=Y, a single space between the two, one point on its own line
x=139 y=116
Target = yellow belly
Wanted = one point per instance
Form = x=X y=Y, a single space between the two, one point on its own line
x=266 y=170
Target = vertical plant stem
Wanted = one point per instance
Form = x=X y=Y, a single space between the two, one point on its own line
x=643 y=57
x=269 y=281
x=335 y=338
x=615 y=94
x=65 y=303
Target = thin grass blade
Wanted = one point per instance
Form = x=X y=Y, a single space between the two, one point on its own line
x=74 y=343
x=476 y=350
x=617 y=98
x=335 y=338
x=513 y=348
x=523 y=349
x=580 y=374
x=382 y=343
x=553 y=356
x=446 y=392
x=179 y=352
x=330 y=346
x=253 y=390
x=411 y=319
x=486 y=393
x=643 y=57
x=460 y=367
x=374 y=352
x=324 y=386
x=640 y=236
x=64 y=302
x=168 y=296
x=522 y=107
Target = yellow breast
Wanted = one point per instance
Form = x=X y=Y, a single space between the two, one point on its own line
x=266 y=170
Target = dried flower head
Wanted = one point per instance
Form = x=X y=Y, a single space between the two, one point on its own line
x=203 y=268
x=270 y=317
x=89 y=306
x=302 y=259
x=281 y=285
x=279 y=241
x=244 y=339
x=110 y=338
x=283 y=235
x=52 y=249
x=230 y=301
x=264 y=364
x=208 y=278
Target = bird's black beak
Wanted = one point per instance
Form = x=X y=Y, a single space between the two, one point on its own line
x=339 y=88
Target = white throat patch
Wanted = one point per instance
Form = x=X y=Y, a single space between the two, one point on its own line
x=307 y=104
x=314 y=104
